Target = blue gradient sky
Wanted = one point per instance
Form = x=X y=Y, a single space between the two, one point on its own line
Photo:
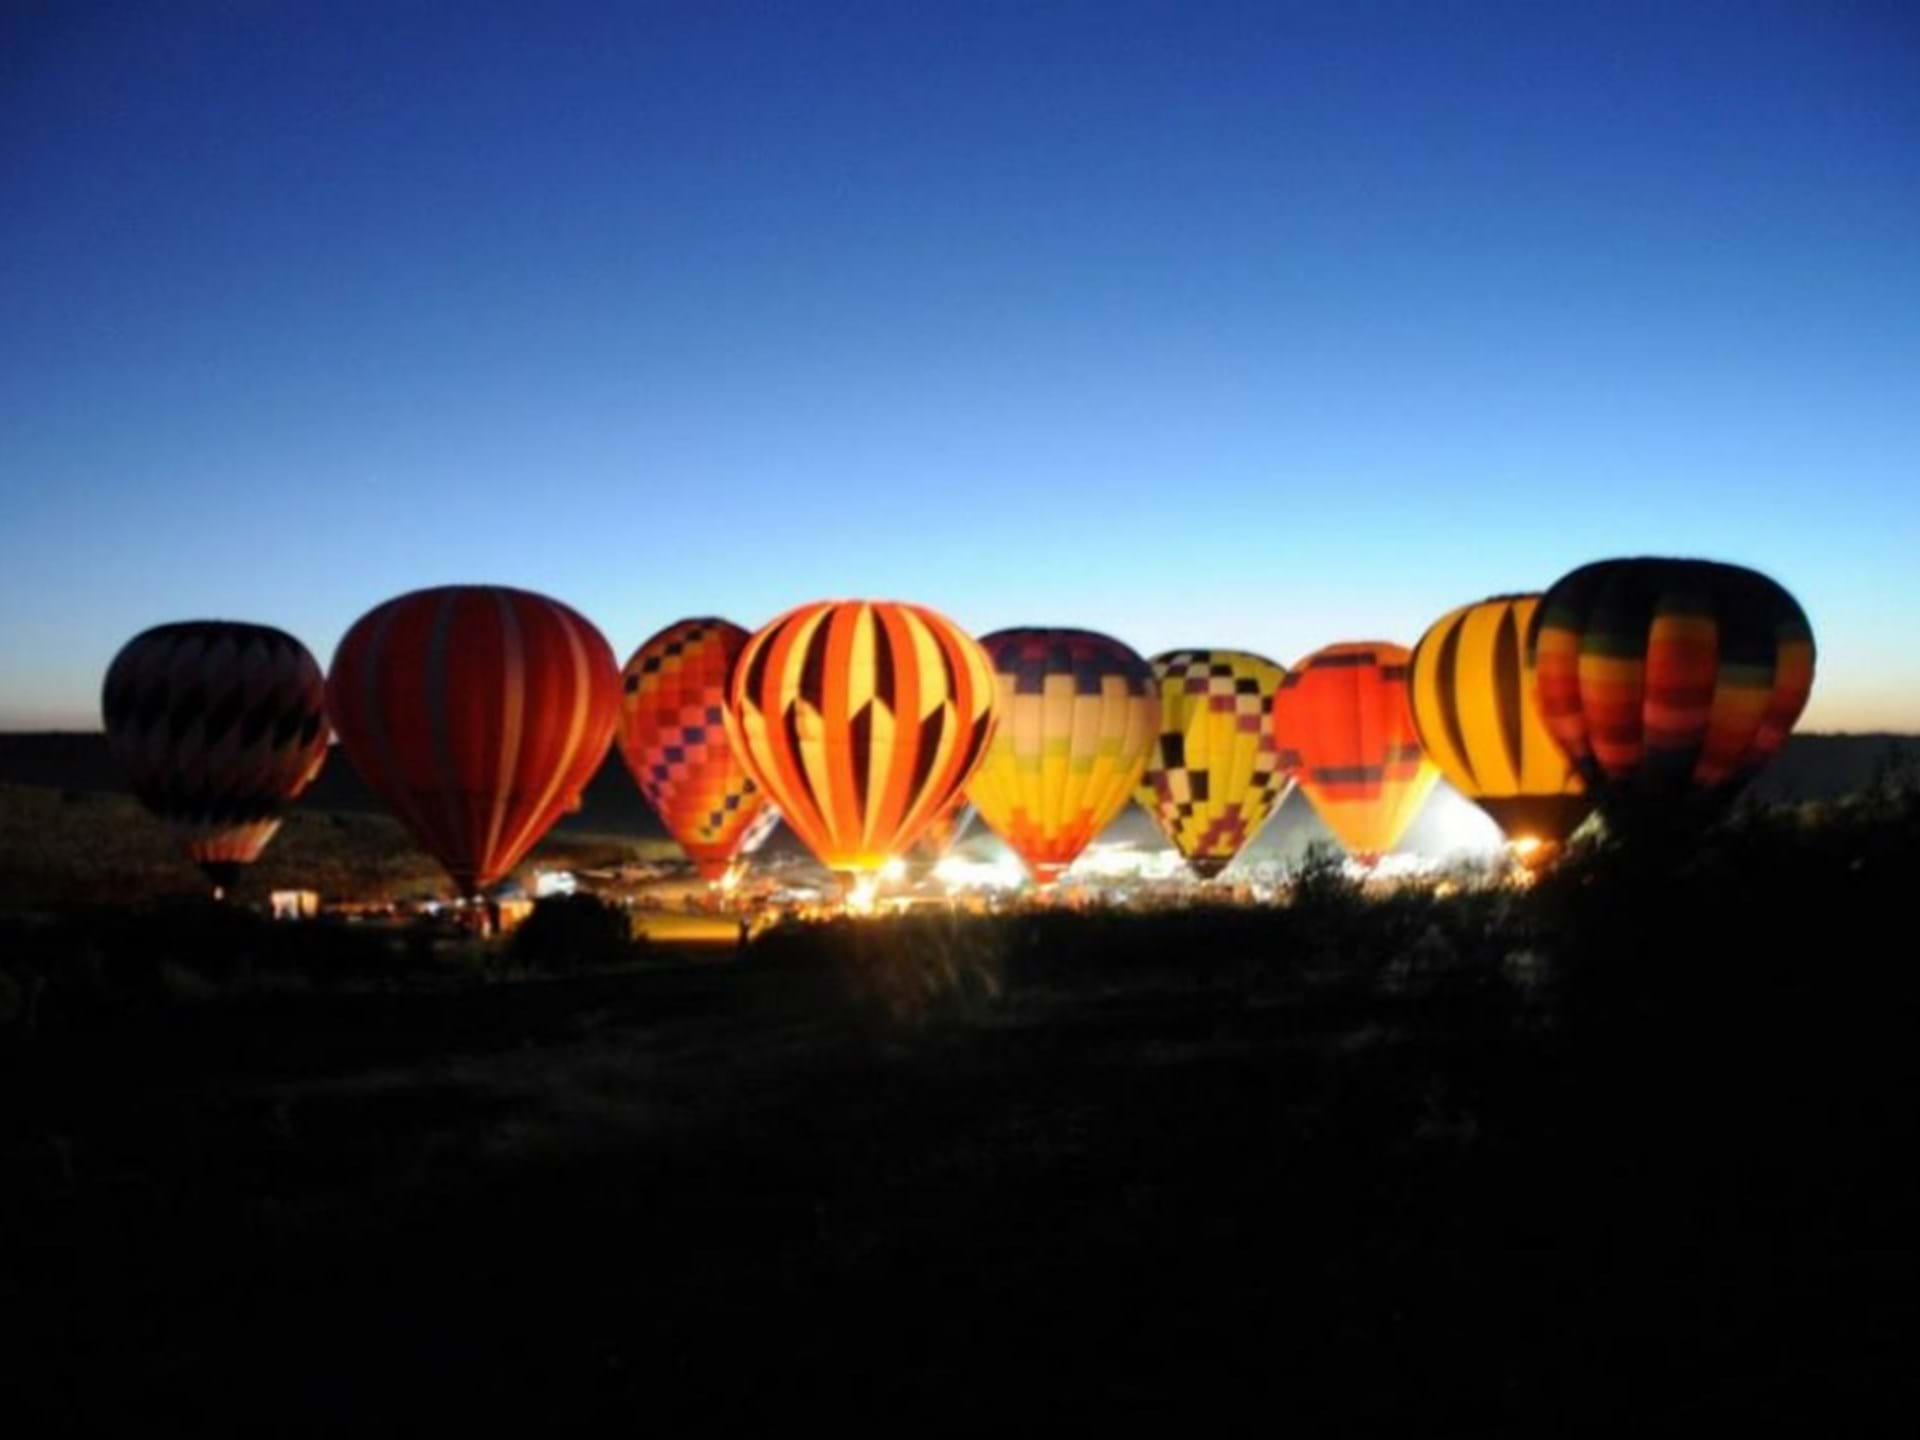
x=1265 y=325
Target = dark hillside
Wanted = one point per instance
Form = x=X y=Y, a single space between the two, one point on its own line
x=81 y=762
x=1813 y=767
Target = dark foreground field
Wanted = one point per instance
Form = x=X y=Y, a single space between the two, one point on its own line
x=1631 y=1147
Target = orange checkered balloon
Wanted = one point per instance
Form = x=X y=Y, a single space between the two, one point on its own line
x=673 y=737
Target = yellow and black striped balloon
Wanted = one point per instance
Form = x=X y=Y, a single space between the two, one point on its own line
x=1474 y=705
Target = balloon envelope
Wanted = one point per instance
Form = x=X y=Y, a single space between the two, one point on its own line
x=862 y=720
x=1670 y=681
x=1213 y=776
x=1078 y=714
x=1473 y=696
x=218 y=725
x=1345 y=730
x=673 y=737
x=478 y=713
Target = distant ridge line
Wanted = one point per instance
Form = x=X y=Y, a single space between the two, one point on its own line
x=1812 y=767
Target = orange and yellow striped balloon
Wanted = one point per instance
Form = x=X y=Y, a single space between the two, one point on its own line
x=1473 y=704
x=861 y=720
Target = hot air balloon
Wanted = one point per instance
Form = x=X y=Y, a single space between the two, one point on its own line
x=1473 y=706
x=1345 y=731
x=1213 y=776
x=1669 y=683
x=478 y=713
x=218 y=725
x=1078 y=715
x=673 y=736
x=945 y=829
x=861 y=720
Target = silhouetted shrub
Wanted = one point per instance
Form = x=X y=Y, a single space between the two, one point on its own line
x=573 y=932
x=902 y=969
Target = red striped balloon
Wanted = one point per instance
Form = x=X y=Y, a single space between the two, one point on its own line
x=478 y=713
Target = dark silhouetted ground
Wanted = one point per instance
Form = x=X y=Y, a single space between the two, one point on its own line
x=1631 y=1148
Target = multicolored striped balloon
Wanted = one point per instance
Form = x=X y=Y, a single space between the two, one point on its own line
x=861 y=720
x=219 y=725
x=1473 y=706
x=1670 y=679
x=1213 y=776
x=673 y=736
x=478 y=713
x=1345 y=730
x=1078 y=715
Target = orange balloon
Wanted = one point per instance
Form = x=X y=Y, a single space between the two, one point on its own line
x=1344 y=728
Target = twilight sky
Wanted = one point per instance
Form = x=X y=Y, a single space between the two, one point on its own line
x=1200 y=324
